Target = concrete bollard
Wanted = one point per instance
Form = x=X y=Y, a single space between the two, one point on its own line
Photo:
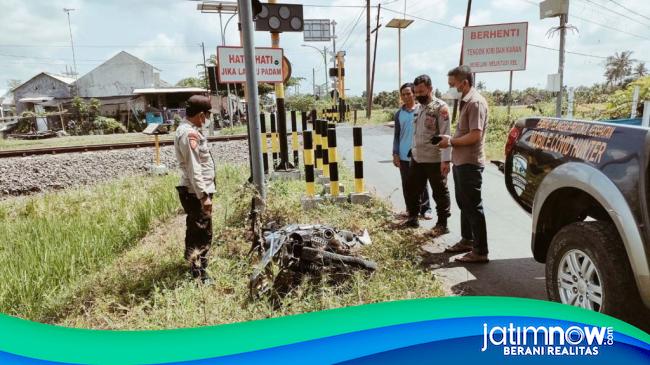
x=325 y=153
x=295 y=146
x=265 y=152
x=275 y=143
x=359 y=196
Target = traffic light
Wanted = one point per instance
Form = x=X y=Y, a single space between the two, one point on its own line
x=256 y=7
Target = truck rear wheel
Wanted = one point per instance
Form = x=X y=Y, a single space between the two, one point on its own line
x=586 y=266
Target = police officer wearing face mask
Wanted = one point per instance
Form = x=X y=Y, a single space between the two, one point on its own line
x=197 y=184
x=469 y=161
x=428 y=161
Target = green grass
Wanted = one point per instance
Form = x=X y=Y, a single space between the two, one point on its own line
x=14 y=144
x=82 y=259
x=229 y=131
x=50 y=241
x=377 y=117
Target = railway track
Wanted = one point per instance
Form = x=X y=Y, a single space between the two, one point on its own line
x=105 y=147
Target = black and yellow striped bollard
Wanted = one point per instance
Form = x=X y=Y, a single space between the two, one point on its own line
x=308 y=158
x=275 y=144
x=326 y=157
x=319 y=146
x=303 y=120
x=265 y=152
x=360 y=195
x=333 y=163
x=295 y=146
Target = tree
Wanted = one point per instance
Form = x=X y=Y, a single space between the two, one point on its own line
x=387 y=99
x=191 y=82
x=640 y=70
x=619 y=103
x=618 y=67
x=13 y=83
x=480 y=86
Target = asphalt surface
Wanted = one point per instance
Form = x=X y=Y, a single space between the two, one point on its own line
x=511 y=271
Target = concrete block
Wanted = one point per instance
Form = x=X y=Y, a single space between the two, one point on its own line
x=337 y=200
x=360 y=198
x=308 y=203
x=323 y=180
x=326 y=189
x=158 y=170
x=285 y=175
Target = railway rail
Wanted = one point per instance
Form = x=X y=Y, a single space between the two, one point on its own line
x=105 y=147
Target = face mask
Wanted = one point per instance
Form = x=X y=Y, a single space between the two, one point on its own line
x=422 y=99
x=454 y=93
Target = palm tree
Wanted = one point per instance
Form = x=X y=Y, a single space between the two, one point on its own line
x=640 y=70
x=618 y=67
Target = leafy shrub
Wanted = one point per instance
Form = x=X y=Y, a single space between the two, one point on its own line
x=108 y=125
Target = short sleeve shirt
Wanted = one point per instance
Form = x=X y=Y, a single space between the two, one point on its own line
x=473 y=115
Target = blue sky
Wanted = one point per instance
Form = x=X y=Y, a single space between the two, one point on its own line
x=167 y=33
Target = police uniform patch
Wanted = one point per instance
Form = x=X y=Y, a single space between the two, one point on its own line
x=194 y=140
x=444 y=112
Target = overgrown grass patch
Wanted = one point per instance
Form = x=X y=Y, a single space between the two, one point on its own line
x=48 y=242
x=148 y=288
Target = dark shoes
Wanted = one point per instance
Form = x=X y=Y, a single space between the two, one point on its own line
x=461 y=246
x=438 y=230
x=410 y=223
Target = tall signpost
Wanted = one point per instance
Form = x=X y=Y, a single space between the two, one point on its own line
x=277 y=18
x=399 y=24
x=495 y=48
x=551 y=9
x=254 y=130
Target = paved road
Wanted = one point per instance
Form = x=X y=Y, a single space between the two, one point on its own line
x=511 y=272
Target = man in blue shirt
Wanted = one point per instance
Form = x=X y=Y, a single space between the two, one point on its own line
x=403 y=141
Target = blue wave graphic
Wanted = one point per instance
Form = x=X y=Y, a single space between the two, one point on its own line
x=458 y=340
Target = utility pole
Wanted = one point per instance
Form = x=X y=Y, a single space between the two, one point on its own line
x=205 y=67
x=334 y=43
x=374 y=56
x=558 y=102
x=313 y=81
x=368 y=96
x=74 y=59
x=284 y=163
x=460 y=63
x=254 y=130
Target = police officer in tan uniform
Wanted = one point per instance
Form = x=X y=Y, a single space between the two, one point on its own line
x=428 y=161
x=197 y=183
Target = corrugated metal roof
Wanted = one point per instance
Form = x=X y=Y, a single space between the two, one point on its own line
x=67 y=80
x=169 y=90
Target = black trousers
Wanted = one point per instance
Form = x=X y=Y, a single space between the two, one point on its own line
x=198 y=232
x=467 y=181
x=418 y=175
x=425 y=205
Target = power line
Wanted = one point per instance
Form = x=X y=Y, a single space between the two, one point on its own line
x=67 y=59
x=610 y=28
x=596 y=23
x=635 y=12
x=96 y=46
x=427 y=20
x=353 y=28
x=616 y=12
x=530 y=44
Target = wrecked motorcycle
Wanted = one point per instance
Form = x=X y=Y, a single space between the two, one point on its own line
x=307 y=248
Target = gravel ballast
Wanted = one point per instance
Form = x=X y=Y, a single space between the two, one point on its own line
x=26 y=175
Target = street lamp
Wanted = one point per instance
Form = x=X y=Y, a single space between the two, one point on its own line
x=324 y=54
x=399 y=24
x=221 y=7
